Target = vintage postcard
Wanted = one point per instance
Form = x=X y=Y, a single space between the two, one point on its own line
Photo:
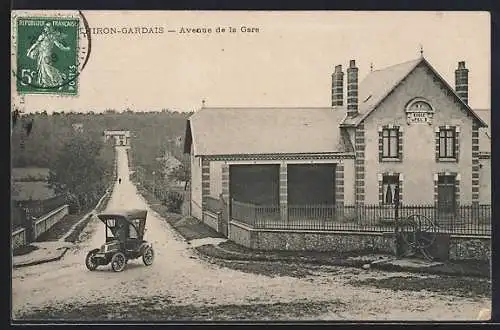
x=250 y=166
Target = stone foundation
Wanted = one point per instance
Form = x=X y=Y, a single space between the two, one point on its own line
x=460 y=247
x=211 y=220
x=241 y=235
x=470 y=248
x=331 y=241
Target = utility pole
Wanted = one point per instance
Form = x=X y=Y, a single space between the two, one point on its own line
x=154 y=184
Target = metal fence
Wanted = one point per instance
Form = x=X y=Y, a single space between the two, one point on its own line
x=464 y=219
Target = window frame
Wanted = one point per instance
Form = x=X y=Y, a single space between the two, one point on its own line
x=390 y=179
x=386 y=138
x=447 y=141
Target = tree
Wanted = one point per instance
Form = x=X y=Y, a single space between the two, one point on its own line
x=180 y=174
x=80 y=170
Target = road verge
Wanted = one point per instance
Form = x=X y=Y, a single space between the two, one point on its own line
x=74 y=233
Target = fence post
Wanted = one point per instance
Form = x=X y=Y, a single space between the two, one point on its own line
x=254 y=211
x=398 y=238
x=29 y=225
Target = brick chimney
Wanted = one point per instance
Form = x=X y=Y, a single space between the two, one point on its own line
x=338 y=86
x=352 y=89
x=462 y=82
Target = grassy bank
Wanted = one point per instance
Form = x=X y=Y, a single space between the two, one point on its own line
x=74 y=236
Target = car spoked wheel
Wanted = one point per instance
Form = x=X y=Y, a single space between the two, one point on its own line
x=90 y=262
x=118 y=262
x=148 y=256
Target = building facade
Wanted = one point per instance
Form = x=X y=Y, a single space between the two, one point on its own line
x=121 y=138
x=401 y=135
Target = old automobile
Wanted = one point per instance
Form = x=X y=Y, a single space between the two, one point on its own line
x=124 y=241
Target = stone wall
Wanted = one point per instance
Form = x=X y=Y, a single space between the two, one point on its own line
x=241 y=234
x=460 y=247
x=211 y=220
x=323 y=241
x=470 y=248
x=45 y=222
x=310 y=240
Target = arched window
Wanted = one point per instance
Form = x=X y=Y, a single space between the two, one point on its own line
x=419 y=105
x=419 y=110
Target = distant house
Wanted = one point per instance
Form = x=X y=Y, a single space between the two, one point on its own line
x=170 y=163
x=30 y=184
x=122 y=138
x=403 y=135
x=77 y=127
x=33 y=190
x=30 y=174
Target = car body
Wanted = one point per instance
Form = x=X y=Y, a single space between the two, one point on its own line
x=124 y=240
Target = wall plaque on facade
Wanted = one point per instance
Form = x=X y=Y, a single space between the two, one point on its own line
x=419 y=112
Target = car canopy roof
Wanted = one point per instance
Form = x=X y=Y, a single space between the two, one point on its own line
x=128 y=215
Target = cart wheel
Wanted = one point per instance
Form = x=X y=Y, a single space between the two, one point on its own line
x=89 y=260
x=419 y=233
x=118 y=262
x=148 y=256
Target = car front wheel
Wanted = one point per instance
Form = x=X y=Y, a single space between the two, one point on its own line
x=118 y=262
x=148 y=256
x=90 y=262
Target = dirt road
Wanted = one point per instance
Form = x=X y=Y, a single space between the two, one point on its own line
x=180 y=286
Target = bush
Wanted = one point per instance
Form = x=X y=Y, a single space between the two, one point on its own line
x=73 y=204
x=173 y=200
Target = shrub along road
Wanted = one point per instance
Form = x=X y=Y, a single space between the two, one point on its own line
x=182 y=286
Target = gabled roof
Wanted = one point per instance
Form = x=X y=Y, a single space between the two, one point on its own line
x=380 y=83
x=29 y=174
x=34 y=190
x=236 y=131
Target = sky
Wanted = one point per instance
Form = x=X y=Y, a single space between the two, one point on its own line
x=288 y=63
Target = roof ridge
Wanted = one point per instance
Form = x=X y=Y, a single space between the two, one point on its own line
x=397 y=64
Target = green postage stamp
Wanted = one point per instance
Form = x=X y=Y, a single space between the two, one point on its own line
x=47 y=55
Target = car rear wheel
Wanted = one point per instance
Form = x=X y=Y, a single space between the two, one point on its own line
x=118 y=262
x=148 y=256
x=90 y=262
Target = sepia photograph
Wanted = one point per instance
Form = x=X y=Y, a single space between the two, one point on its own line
x=250 y=166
